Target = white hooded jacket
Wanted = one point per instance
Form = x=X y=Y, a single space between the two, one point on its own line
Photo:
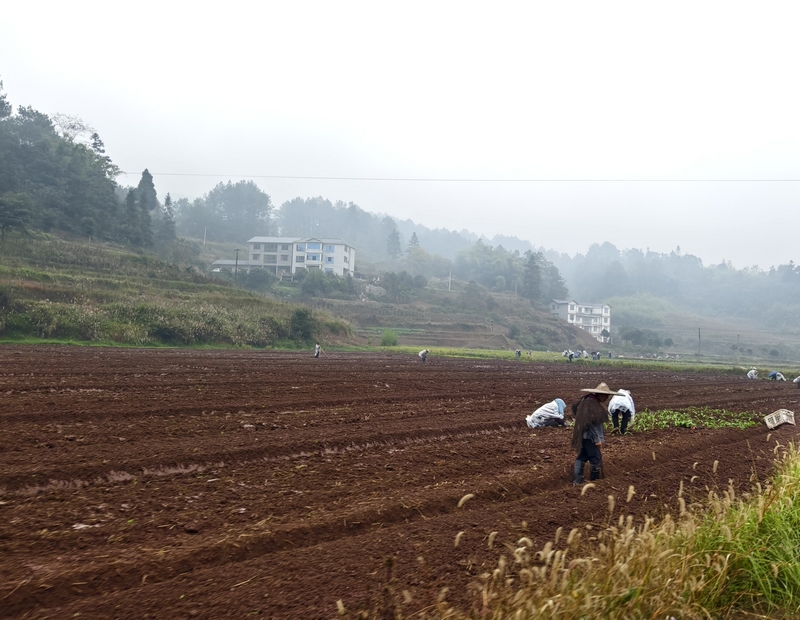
x=622 y=402
x=554 y=409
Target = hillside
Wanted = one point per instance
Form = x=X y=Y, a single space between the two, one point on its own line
x=55 y=289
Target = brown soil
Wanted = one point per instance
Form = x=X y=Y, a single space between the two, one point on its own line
x=233 y=484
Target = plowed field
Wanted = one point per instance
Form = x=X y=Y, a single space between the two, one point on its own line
x=234 y=484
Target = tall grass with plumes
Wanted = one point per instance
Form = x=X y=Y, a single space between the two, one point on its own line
x=726 y=557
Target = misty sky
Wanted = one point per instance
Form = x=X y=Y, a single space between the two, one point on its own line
x=560 y=92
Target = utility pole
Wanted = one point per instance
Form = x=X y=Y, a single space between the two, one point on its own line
x=236 y=266
x=738 y=353
x=698 y=341
x=204 y=236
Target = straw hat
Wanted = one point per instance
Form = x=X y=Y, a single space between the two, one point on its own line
x=602 y=388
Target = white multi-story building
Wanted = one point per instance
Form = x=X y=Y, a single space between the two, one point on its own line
x=288 y=254
x=593 y=318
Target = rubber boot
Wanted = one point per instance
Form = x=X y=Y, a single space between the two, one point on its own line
x=578 y=473
x=594 y=473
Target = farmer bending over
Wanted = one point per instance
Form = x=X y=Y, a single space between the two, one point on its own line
x=621 y=406
x=423 y=355
x=549 y=414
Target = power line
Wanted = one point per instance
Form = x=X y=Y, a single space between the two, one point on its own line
x=453 y=180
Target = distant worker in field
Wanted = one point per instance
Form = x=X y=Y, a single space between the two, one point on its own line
x=423 y=355
x=317 y=350
x=776 y=376
x=797 y=381
x=549 y=414
x=621 y=407
x=752 y=374
x=588 y=435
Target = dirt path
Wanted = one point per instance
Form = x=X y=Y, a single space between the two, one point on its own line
x=172 y=484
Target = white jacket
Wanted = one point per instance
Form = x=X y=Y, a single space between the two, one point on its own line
x=622 y=402
x=548 y=410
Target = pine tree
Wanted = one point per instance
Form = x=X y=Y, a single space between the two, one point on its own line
x=146 y=192
x=165 y=225
x=532 y=276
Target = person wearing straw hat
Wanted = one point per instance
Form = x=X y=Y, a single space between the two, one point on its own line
x=588 y=435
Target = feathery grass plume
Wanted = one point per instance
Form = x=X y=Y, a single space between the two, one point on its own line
x=680 y=489
x=716 y=465
x=631 y=493
x=525 y=541
x=458 y=538
x=492 y=536
x=465 y=499
x=559 y=531
x=340 y=607
x=695 y=464
x=693 y=478
x=654 y=455
x=768 y=436
x=587 y=486
x=610 y=504
x=689 y=568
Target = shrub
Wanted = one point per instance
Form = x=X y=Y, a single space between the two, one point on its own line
x=302 y=325
x=389 y=338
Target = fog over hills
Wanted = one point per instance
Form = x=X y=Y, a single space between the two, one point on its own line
x=562 y=125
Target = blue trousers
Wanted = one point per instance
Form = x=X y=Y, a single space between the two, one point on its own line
x=589 y=452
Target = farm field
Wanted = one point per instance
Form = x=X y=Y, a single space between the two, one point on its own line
x=172 y=483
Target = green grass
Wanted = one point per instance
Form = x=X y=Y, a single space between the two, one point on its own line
x=57 y=291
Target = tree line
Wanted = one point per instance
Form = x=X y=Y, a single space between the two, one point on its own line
x=55 y=175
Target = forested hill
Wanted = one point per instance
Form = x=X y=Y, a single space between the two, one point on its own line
x=55 y=176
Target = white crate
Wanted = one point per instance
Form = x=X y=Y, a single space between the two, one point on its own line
x=781 y=416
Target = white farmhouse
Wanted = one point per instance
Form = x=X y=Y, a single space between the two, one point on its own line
x=288 y=254
x=593 y=318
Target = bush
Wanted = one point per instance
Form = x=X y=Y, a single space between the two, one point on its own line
x=389 y=338
x=302 y=325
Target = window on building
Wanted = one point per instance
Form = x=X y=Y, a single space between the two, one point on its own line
x=256 y=257
x=329 y=259
x=270 y=247
x=300 y=247
x=572 y=308
x=605 y=319
x=605 y=310
x=313 y=246
x=284 y=247
x=270 y=259
x=571 y=317
x=284 y=258
x=299 y=259
x=329 y=248
x=346 y=249
x=347 y=260
x=256 y=246
x=312 y=257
